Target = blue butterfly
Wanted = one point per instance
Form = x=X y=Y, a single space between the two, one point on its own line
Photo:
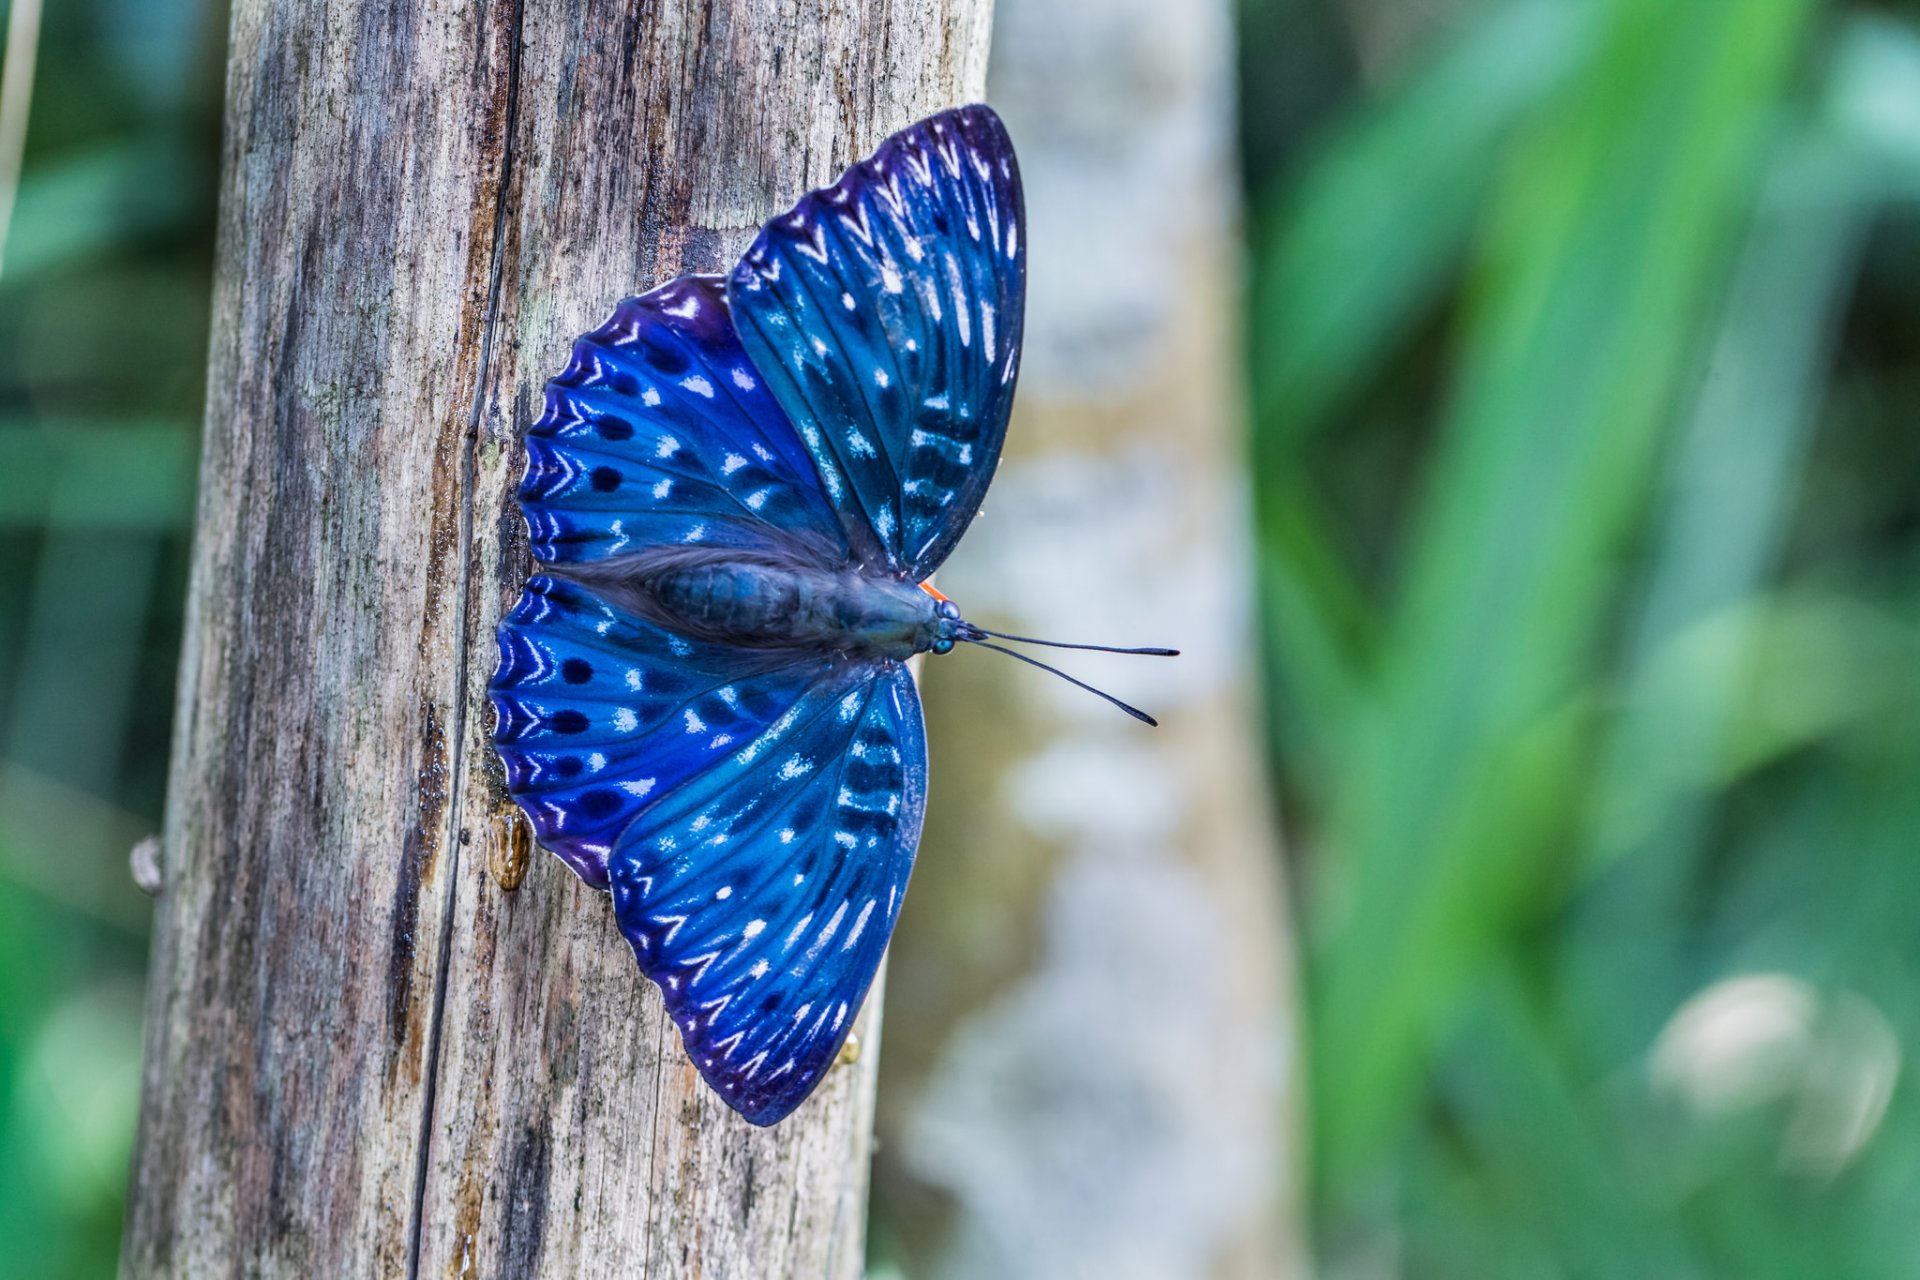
x=733 y=494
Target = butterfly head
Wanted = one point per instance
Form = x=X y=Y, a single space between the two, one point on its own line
x=949 y=629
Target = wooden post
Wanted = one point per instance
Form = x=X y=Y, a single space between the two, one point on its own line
x=381 y=1041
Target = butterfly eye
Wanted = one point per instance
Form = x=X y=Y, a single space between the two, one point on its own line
x=943 y=646
x=948 y=609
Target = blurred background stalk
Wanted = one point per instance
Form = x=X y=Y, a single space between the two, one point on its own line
x=1091 y=1071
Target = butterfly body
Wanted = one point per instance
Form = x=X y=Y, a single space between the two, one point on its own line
x=776 y=602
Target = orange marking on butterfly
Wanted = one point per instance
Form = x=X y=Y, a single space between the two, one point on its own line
x=933 y=591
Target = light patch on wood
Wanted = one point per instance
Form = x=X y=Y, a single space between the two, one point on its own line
x=509 y=848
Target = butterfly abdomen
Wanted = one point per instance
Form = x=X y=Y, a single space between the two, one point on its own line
x=770 y=602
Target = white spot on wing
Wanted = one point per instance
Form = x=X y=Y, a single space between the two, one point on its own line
x=859 y=923
x=833 y=927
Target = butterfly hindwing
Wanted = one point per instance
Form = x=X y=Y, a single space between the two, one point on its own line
x=761 y=896
x=600 y=714
x=885 y=313
x=660 y=431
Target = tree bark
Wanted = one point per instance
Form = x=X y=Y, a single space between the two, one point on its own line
x=381 y=1041
x=1095 y=1075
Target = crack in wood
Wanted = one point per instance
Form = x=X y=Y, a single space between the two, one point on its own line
x=462 y=650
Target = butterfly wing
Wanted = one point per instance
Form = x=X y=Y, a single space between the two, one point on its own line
x=599 y=714
x=660 y=432
x=885 y=313
x=761 y=895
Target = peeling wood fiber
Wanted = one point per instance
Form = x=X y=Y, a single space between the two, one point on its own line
x=378 y=1041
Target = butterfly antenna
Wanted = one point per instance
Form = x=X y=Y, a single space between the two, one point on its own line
x=1061 y=644
x=1131 y=710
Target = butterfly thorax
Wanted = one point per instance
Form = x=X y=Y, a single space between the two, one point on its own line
x=771 y=601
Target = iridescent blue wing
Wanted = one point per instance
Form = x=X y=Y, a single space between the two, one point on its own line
x=885 y=313
x=660 y=431
x=599 y=714
x=761 y=895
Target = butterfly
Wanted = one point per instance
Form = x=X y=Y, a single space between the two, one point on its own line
x=733 y=495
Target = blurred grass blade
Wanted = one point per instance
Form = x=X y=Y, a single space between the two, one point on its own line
x=1356 y=254
x=110 y=475
x=1322 y=634
x=1874 y=102
x=1734 y=481
x=16 y=101
x=1359 y=248
x=1602 y=256
x=1540 y=1147
x=86 y=204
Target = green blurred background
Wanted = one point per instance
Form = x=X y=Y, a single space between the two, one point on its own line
x=1584 y=351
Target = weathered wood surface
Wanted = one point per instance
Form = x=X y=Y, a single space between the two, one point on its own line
x=1094 y=1076
x=366 y=1056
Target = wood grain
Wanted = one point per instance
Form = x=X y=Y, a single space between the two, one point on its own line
x=382 y=1038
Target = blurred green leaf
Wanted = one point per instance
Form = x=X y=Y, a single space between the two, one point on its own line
x=121 y=475
x=1359 y=246
x=77 y=208
x=1606 y=245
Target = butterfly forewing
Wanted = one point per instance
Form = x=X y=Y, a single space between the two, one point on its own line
x=661 y=432
x=761 y=898
x=885 y=312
